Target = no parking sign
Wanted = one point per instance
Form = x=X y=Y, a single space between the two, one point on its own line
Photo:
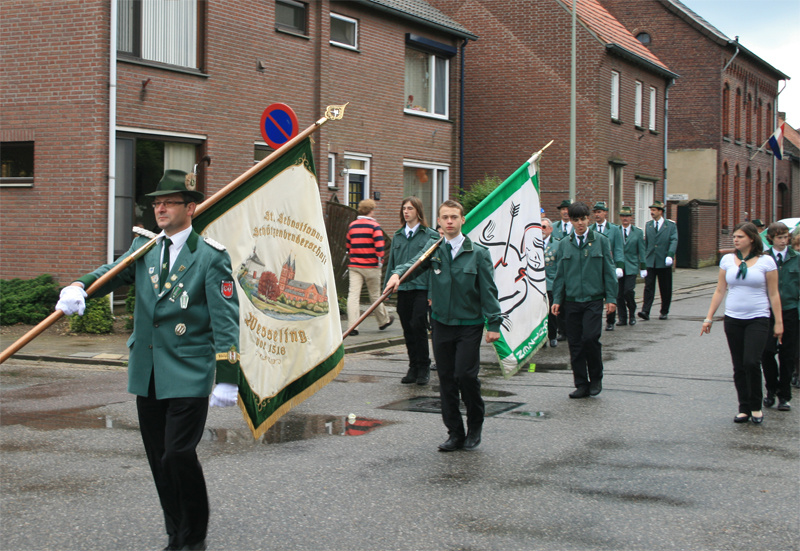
x=278 y=124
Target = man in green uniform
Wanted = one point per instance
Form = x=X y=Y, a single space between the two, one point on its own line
x=563 y=227
x=661 y=236
x=463 y=298
x=585 y=276
x=634 y=251
x=186 y=334
x=612 y=231
x=778 y=381
x=412 y=296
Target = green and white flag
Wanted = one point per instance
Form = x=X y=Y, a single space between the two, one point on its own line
x=508 y=222
x=290 y=335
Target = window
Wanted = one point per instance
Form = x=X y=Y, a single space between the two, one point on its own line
x=166 y=31
x=331 y=170
x=757 y=213
x=737 y=196
x=637 y=114
x=427 y=83
x=770 y=122
x=723 y=199
x=356 y=170
x=614 y=95
x=260 y=152
x=644 y=198
x=652 y=109
x=16 y=164
x=644 y=38
x=726 y=110
x=344 y=31
x=759 y=122
x=748 y=194
x=429 y=182
x=749 y=115
x=290 y=16
x=737 y=116
x=768 y=208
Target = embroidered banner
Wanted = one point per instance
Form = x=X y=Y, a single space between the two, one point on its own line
x=290 y=334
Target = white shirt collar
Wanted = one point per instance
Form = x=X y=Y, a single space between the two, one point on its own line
x=367 y=217
x=412 y=230
x=178 y=241
x=456 y=243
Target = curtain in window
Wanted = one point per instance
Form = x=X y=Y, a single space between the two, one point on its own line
x=418 y=182
x=440 y=107
x=179 y=156
x=417 y=81
x=169 y=31
x=125 y=26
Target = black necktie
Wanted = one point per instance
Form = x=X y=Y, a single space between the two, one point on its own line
x=626 y=234
x=165 y=262
x=410 y=233
x=780 y=259
x=580 y=241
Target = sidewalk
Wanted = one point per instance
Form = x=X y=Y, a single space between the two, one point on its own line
x=112 y=350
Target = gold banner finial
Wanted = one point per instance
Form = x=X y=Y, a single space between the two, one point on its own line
x=335 y=112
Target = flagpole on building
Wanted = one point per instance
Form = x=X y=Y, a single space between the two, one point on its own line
x=332 y=112
x=572 y=108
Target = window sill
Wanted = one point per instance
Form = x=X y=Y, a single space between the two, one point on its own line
x=165 y=66
x=750 y=147
x=726 y=139
x=616 y=121
x=654 y=132
x=291 y=32
x=333 y=188
x=738 y=142
x=345 y=46
x=16 y=182
x=425 y=114
x=637 y=127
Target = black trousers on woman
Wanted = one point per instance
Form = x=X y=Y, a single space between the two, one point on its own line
x=746 y=340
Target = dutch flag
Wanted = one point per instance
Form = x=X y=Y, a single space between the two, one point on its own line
x=776 y=142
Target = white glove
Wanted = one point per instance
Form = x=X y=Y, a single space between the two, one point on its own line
x=224 y=395
x=643 y=273
x=668 y=261
x=620 y=273
x=72 y=300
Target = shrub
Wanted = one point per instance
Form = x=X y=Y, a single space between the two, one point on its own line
x=479 y=191
x=96 y=319
x=27 y=300
x=130 y=305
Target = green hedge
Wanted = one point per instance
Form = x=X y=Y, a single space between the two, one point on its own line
x=130 y=305
x=479 y=191
x=96 y=319
x=27 y=300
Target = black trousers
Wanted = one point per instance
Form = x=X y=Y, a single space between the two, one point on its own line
x=171 y=430
x=584 y=326
x=626 y=298
x=457 y=352
x=746 y=340
x=664 y=276
x=778 y=381
x=552 y=321
x=412 y=309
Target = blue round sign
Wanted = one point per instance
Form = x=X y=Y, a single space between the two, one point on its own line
x=278 y=124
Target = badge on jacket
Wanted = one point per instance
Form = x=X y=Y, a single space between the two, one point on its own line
x=227 y=289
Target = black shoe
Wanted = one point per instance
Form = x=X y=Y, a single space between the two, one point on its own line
x=433 y=367
x=453 y=443
x=411 y=376
x=784 y=405
x=561 y=337
x=644 y=315
x=581 y=392
x=197 y=546
x=769 y=400
x=170 y=547
x=553 y=343
x=423 y=376
x=742 y=418
x=663 y=316
x=387 y=324
x=623 y=323
x=795 y=381
x=595 y=388
x=757 y=420
x=353 y=333
x=473 y=439
x=609 y=327
x=633 y=321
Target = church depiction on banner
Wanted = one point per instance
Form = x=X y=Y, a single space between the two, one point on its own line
x=275 y=295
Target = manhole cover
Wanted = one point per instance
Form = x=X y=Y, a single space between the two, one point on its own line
x=432 y=404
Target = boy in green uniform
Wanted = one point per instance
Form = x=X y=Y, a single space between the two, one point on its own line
x=463 y=298
x=778 y=381
x=412 y=296
x=585 y=275
x=614 y=235
x=634 y=253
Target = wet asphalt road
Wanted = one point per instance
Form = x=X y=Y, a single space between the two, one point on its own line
x=654 y=462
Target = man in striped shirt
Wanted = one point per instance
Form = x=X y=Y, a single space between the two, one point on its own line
x=365 y=249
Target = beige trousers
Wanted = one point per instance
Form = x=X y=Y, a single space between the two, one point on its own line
x=372 y=277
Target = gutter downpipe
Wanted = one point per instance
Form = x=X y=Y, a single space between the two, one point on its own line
x=774 y=190
x=666 y=134
x=461 y=122
x=112 y=134
x=572 y=108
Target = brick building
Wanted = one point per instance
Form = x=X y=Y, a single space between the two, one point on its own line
x=189 y=79
x=721 y=110
x=517 y=94
x=787 y=174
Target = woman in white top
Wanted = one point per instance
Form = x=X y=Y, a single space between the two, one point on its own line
x=751 y=280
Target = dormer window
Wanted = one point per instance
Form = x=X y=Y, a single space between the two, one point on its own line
x=644 y=38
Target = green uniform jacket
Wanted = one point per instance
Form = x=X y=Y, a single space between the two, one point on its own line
x=662 y=244
x=462 y=289
x=614 y=234
x=587 y=273
x=634 y=248
x=403 y=250
x=184 y=365
x=788 y=278
x=550 y=262
x=558 y=231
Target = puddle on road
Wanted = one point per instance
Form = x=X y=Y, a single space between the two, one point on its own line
x=488 y=392
x=63 y=419
x=432 y=404
x=292 y=428
x=356 y=379
x=532 y=415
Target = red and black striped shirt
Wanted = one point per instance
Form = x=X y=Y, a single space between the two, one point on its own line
x=364 y=243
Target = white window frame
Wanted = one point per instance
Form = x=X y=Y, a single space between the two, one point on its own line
x=637 y=109
x=653 y=99
x=348 y=20
x=615 y=95
x=432 y=99
x=331 y=170
x=644 y=198
x=437 y=168
x=366 y=158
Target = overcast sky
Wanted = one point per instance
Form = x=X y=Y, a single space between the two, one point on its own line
x=768 y=28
